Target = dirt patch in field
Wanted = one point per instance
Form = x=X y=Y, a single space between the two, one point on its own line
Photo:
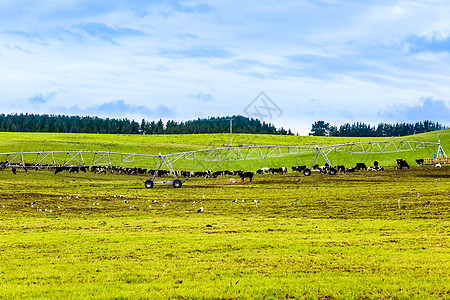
x=234 y=181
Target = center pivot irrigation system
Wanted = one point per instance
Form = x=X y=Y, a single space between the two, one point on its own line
x=52 y=159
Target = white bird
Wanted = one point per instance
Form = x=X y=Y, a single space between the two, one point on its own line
x=51 y=210
x=115 y=196
x=243 y=200
x=154 y=201
x=150 y=206
x=235 y=200
x=164 y=205
x=125 y=201
x=194 y=201
x=200 y=210
x=418 y=194
x=203 y=197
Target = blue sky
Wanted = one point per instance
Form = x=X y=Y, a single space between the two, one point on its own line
x=333 y=60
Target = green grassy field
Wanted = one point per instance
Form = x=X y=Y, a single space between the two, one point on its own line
x=104 y=236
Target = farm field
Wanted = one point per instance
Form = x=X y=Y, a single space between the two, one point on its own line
x=372 y=235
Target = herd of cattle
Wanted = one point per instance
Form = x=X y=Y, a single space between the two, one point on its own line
x=326 y=169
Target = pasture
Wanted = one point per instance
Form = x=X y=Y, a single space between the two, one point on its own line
x=105 y=236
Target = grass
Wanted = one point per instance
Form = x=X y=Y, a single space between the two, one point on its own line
x=317 y=237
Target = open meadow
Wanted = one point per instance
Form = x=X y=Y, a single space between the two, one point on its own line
x=362 y=235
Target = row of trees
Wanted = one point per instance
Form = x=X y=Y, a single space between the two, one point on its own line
x=320 y=128
x=241 y=124
x=77 y=124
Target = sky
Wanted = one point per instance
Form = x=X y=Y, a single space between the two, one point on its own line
x=288 y=63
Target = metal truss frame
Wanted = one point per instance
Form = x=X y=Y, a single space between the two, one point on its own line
x=17 y=159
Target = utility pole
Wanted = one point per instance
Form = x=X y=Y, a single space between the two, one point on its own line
x=231 y=128
x=231 y=132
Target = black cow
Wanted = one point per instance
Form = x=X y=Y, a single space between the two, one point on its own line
x=420 y=161
x=360 y=166
x=340 y=168
x=281 y=170
x=298 y=168
x=402 y=163
x=248 y=175
x=351 y=169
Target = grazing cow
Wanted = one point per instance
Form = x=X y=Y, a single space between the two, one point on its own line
x=420 y=161
x=360 y=166
x=340 y=168
x=281 y=170
x=438 y=165
x=324 y=169
x=375 y=168
x=263 y=170
x=298 y=168
x=402 y=163
x=248 y=175
x=316 y=167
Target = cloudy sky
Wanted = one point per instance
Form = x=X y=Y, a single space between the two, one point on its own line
x=289 y=63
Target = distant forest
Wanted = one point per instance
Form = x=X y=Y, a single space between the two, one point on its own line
x=320 y=128
x=241 y=124
x=77 y=124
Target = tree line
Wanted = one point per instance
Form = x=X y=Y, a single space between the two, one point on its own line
x=320 y=128
x=87 y=124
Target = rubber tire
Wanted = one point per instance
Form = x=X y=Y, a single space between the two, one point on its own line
x=149 y=184
x=177 y=183
x=332 y=171
x=307 y=172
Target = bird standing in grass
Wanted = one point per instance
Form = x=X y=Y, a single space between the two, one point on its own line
x=200 y=210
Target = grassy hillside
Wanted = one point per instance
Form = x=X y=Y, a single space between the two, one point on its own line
x=154 y=144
